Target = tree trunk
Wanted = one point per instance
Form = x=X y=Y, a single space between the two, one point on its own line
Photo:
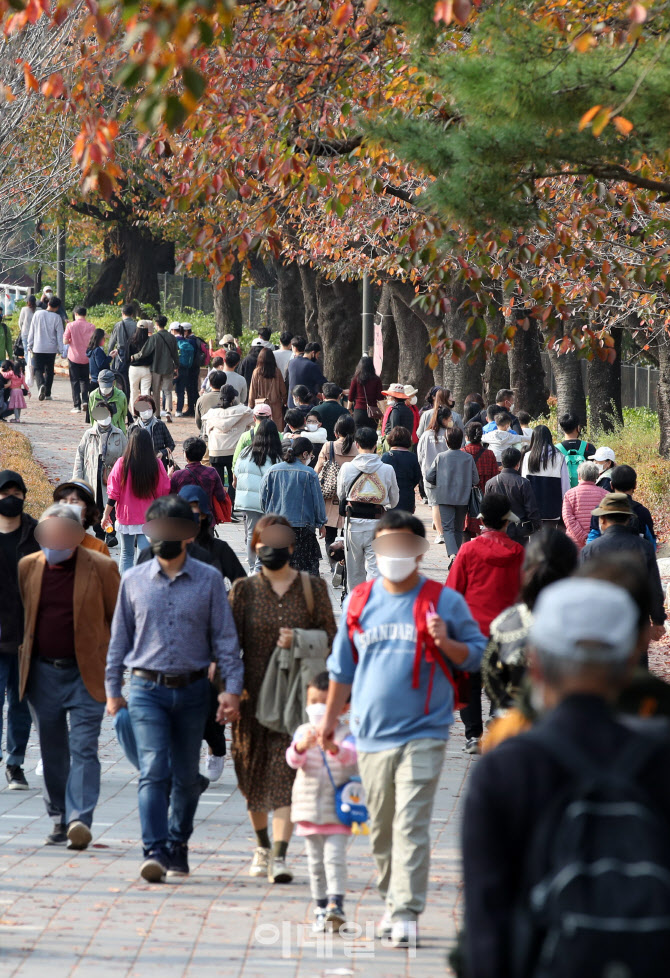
x=496 y=376
x=464 y=377
x=569 y=385
x=104 y=289
x=527 y=376
x=662 y=348
x=227 y=305
x=262 y=274
x=310 y=303
x=134 y=255
x=605 y=412
x=412 y=340
x=391 y=351
x=339 y=322
x=291 y=302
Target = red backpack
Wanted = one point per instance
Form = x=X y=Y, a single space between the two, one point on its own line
x=426 y=601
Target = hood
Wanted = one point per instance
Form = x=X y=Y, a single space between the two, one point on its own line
x=367 y=463
x=228 y=418
x=499 y=547
x=500 y=436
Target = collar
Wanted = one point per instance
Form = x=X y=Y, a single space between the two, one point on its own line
x=157 y=570
x=400 y=448
x=192 y=465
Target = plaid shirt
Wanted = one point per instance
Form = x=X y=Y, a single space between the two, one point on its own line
x=488 y=468
x=197 y=474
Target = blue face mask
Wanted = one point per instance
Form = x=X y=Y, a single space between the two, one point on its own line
x=56 y=556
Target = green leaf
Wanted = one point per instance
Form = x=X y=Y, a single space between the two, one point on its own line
x=174 y=113
x=195 y=83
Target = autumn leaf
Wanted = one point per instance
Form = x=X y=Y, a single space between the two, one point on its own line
x=462 y=11
x=624 y=126
x=29 y=79
x=637 y=13
x=584 y=42
x=586 y=118
x=343 y=14
x=444 y=11
x=600 y=121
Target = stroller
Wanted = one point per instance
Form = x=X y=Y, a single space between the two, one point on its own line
x=336 y=555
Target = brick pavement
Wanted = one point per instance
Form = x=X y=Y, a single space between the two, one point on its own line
x=82 y=914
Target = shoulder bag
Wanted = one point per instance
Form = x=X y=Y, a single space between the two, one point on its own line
x=372 y=409
x=328 y=476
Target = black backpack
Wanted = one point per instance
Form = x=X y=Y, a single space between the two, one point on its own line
x=597 y=895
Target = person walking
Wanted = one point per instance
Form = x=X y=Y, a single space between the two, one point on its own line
x=367 y=487
x=252 y=465
x=442 y=397
x=431 y=443
x=223 y=427
x=261 y=412
x=77 y=336
x=25 y=319
x=365 y=393
x=580 y=501
x=605 y=459
x=291 y=489
x=400 y=415
x=330 y=409
x=340 y=451
x=453 y=475
x=193 y=370
x=196 y=474
x=146 y=417
x=210 y=398
x=487 y=466
x=268 y=608
x=108 y=393
x=172 y=621
x=135 y=480
x=98 y=360
x=520 y=494
x=80 y=494
x=221 y=555
x=100 y=448
x=230 y=362
x=401 y=707
x=303 y=368
x=119 y=342
x=546 y=470
x=69 y=593
x=406 y=466
x=45 y=340
x=267 y=384
x=17 y=540
x=139 y=370
x=162 y=348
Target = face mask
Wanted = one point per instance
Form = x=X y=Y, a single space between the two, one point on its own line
x=311 y=427
x=396 y=569
x=56 y=556
x=105 y=390
x=315 y=712
x=104 y=422
x=601 y=467
x=11 y=506
x=146 y=415
x=512 y=408
x=167 y=549
x=274 y=558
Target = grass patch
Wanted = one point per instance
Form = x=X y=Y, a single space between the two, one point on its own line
x=16 y=453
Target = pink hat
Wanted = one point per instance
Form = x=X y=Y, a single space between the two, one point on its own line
x=262 y=411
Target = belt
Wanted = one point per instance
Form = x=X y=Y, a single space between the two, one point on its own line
x=170 y=682
x=69 y=663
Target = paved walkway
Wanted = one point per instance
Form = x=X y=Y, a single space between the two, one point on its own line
x=81 y=914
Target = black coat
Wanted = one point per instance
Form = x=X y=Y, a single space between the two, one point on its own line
x=622 y=539
x=11 y=608
x=209 y=550
x=522 y=502
x=408 y=476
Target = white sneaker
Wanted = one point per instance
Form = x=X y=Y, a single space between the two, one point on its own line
x=278 y=871
x=39 y=770
x=405 y=933
x=214 y=767
x=319 y=925
x=75 y=411
x=385 y=926
x=260 y=864
x=439 y=538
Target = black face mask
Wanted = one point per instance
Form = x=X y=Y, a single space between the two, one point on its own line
x=167 y=549
x=11 y=506
x=274 y=558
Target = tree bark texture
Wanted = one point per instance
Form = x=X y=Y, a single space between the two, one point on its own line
x=227 y=304
x=496 y=376
x=291 y=301
x=310 y=303
x=569 y=385
x=464 y=377
x=133 y=261
x=527 y=376
x=391 y=351
x=413 y=344
x=662 y=348
x=605 y=410
x=339 y=323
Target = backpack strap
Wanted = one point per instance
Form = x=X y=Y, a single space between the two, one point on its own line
x=582 y=448
x=307 y=591
x=332 y=451
x=631 y=759
x=564 y=451
x=357 y=601
x=428 y=597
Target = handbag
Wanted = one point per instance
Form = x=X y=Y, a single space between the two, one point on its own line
x=350 y=806
x=372 y=409
x=328 y=476
x=475 y=502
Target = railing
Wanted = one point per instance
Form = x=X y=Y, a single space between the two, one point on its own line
x=639 y=385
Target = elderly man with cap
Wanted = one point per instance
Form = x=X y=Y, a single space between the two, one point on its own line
x=618 y=536
x=108 y=393
x=584 y=644
x=399 y=641
x=171 y=622
x=100 y=447
x=17 y=540
x=69 y=594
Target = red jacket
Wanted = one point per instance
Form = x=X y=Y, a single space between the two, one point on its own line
x=487 y=572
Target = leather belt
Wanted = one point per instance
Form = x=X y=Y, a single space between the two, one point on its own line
x=170 y=682
x=67 y=663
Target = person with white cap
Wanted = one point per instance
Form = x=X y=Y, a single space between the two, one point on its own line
x=605 y=459
x=162 y=346
x=562 y=814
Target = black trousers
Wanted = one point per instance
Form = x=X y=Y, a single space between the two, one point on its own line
x=472 y=714
x=43 y=368
x=192 y=379
x=362 y=418
x=224 y=464
x=79 y=383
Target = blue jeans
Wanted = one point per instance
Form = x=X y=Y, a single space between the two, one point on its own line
x=70 y=758
x=180 y=386
x=18 y=711
x=127 y=545
x=169 y=725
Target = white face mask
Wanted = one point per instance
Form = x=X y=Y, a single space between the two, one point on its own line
x=104 y=422
x=315 y=712
x=396 y=569
x=105 y=390
x=146 y=415
x=311 y=427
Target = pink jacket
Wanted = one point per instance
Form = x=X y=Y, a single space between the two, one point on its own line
x=578 y=504
x=130 y=510
x=77 y=336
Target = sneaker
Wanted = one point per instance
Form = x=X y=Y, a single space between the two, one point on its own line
x=58 y=837
x=178 y=860
x=335 y=915
x=404 y=933
x=319 y=925
x=16 y=779
x=168 y=417
x=451 y=560
x=75 y=411
x=203 y=783
x=154 y=868
x=261 y=862
x=472 y=746
x=178 y=414
x=112 y=540
x=43 y=393
x=278 y=871
x=338 y=575
x=214 y=767
x=385 y=926
x=439 y=538
x=78 y=835
x=39 y=770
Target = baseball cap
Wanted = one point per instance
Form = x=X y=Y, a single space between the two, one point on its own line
x=585 y=620
x=187 y=326
x=105 y=377
x=10 y=478
x=603 y=455
x=262 y=411
x=396 y=390
x=175 y=325
x=196 y=494
x=228 y=339
x=614 y=503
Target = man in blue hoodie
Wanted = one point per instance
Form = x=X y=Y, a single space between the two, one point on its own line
x=400 y=716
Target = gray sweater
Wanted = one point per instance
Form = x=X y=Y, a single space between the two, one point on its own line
x=453 y=473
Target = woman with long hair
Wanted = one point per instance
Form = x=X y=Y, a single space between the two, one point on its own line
x=487 y=466
x=431 y=443
x=473 y=406
x=254 y=461
x=292 y=490
x=266 y=608
x=339 y=451
x=365 y=390
x=136 y=479
x=268 y=386
x=146 y=417
x=222 y=428
x=546 y=470
x=139 y=372
x=98 y=360
x=441 y=399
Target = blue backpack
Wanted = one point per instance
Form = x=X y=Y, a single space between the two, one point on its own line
x=186 y=353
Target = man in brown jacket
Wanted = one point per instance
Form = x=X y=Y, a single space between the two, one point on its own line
x=69 y=594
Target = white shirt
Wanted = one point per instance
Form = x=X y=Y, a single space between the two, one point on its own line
x=282 y=358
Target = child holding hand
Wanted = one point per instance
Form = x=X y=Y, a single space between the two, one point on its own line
x=12 y=375
x=313 y=805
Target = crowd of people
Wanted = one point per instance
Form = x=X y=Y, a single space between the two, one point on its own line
x=552 y=595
